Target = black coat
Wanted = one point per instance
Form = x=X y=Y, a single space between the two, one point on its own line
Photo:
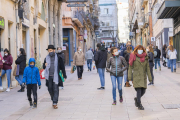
x=100 y=58
x=164 y=52
x=151 y=59
x=158 y=53
x=60 y=67
x=61 y=54
x=21 y=60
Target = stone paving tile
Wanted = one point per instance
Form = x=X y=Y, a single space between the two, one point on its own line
x=80 y=100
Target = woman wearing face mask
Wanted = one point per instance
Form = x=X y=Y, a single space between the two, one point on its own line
x=7 y=67
x=139 y=66
x=150 y=53
x=116 y=64
x=21 y=61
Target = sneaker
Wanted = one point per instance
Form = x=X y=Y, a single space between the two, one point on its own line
x=150 y=84
x=8 y=90
x=140 y=107
x=159 y=68
x=101 y=88
x=169 y=68
x=35 y=105
x=30 y=103
x=174 y=70
x=136 y=104
x=114 y=103
x=1 y=88
x=156 y=70
x=121 y=99
x=61 y=88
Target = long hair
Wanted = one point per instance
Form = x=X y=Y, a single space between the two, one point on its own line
x=138 y=47
x=164 y=46
x=6 y=50
x=22 y=51
x=151 y=49
x=129 y=49
x=171 y=48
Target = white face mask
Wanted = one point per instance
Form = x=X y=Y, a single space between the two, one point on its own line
x=116 y=53
x=59 y=51
x=140 y=52
x=147 y=50
x=80 y=50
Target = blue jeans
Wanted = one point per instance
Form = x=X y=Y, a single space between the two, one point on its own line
x=101 y=75
x=125 y=76
x=168 y=63
x=89 y=64
x=157 y=60
x=119 y=81
x=173 y=63
x=19 y=79
x=8 y=74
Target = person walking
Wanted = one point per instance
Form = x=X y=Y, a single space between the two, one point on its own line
x=89 y=57
x=126 y=56
x=164 y=55
x=52 y=65
x=109 y=54
x=61 y=60
x=79 y=61
x=31 y=77
x=157 y=55
x=167 y=56
x=172 y=57
x=21 y=61
x=139 y=66
x=116 y=64
x=150 y=54
x=7 y=67
x=100 y=60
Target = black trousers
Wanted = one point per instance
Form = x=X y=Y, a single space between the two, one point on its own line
x=79 y=71
x=140 y=93
x=60 y=83
x=53 y=89
x=152 y=75
x=32 y=88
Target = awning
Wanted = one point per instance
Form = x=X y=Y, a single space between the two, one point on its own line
x=169 y=9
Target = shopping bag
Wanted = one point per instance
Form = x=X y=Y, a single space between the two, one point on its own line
x=14 y=71
x=61 y=75
x=94 y=67
x=73 y=68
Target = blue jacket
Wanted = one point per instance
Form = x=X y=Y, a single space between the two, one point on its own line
x=31 y=75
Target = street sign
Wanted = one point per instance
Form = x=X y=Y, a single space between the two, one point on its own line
x=69 y=1
x=2 y=23
x=140 y=23
x=76 y=5
x=153 y=39
x=96 y=32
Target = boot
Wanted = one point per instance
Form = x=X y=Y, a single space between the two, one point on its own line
x=31 y=104
x=174 y=70
x=140 y=107
x=35 y=105
x=127 y=84
x=136 y=104
x=20 y=89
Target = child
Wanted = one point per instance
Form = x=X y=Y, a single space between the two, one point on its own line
x=31 y=77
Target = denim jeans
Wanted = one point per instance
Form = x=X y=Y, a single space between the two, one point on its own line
x=119 y=81
x=19 y=78
x=8 y=74
x=168 y=63
x=125 y=76
x=157 y=60
x=173 y=64
x=89 y=64
x=102 y=76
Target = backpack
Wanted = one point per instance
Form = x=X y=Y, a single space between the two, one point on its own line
x=155 y=53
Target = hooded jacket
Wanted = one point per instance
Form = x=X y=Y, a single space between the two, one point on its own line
x=61 y=54
x=21 y=60
x=31 y=74
x=101 y=58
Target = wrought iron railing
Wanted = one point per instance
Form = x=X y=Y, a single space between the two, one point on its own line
x=78 y=15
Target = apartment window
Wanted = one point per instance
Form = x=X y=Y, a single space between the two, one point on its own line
x=106 y=11
x=103 y=24
x=107 y=23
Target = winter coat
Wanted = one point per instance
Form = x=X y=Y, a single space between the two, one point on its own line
x=172 y=55
x=89 y=55
x=158 y=53
x=61 y=54
x=167 y=56
x=79 y=59
x=126 y=56
x=140 y=72
x=116 y=63
x=31 y=74
x=164 y=52
x=21 y=60
x=124 y=49
x=151 y=59
x=60 y=67
x=8 y=62
x=101 y=58
x=109 y=55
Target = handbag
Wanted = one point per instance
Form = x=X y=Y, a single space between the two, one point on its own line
x=61 y=75
x=14 y=71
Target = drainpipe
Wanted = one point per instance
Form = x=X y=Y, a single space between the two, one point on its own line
x=17 y=21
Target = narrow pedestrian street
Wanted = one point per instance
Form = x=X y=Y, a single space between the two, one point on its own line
x=80 y=100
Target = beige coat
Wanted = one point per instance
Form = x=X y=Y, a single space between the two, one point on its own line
x=79 y=59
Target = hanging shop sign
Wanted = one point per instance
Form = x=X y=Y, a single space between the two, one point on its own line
x=137 y=30
x=69 y=1
x=64 y=48
x=76 y=5
x=153 y=39
x=2 y=23
x=81 y=38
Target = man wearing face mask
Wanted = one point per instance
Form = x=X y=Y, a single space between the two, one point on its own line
x=79 y=61
x=52 y=65
x=61 y=54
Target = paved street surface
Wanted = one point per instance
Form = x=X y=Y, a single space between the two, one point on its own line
x=80 y=100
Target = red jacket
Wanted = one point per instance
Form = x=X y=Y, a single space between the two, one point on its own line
x=8 y=62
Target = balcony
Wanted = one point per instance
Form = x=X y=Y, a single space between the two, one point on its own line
x=84 y=16
x=90 y=20
x=77 y=18
x=67 y=13
x=146 y=21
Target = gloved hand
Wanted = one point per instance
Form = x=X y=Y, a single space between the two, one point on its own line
x=39 y=87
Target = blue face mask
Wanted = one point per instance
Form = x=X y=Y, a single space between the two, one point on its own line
x=31 y=66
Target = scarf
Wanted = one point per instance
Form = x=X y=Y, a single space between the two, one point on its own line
x=133 y=58
x=46 y=71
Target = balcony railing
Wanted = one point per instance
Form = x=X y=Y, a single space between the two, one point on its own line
x=83 y=15
x=90 y=19
x=77 y=18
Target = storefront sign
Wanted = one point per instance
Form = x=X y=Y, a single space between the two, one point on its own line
x=68 y=1
x=137 y=31
x=153 y=39
x=65 y=38
x=140 y=23
x=64 y=48
x=81 y=38
x=76 y=5
x=2 y=23
x=85 y=34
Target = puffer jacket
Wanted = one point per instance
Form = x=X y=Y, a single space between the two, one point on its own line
x=31 y=75
x=151 y=59
x=101 y=58
x=89 y=55
x=116 y=63
x=109 y=55
x=79 y=59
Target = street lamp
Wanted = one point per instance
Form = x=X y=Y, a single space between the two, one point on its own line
x=137 y=14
